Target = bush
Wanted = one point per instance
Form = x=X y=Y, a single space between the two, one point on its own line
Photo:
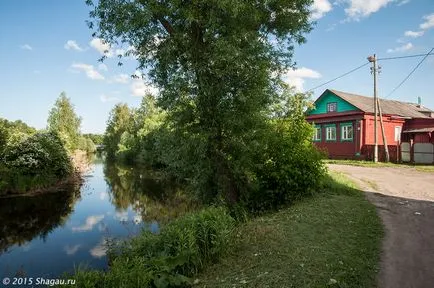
x=183 y=247
x=86 y=144
x=290 y=167
x=38 y=161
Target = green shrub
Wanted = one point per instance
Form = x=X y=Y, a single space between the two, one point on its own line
x=290 y=166
x=38 y=161
x=86 y=144
x=181 y=249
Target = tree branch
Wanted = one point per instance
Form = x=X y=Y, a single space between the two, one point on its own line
x=166 y=25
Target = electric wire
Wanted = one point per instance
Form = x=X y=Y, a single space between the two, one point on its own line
x=343 y=75
x=403 y=57
x=409 y=74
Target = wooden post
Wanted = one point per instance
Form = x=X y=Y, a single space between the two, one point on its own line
x=386 y=148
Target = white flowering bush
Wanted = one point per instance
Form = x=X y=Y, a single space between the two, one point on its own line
x=39 y=160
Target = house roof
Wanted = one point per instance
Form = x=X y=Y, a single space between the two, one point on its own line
x=389 y=107
x=429 y=129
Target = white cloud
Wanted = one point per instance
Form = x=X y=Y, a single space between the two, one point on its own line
x=99 y=250
x=119 y=52
x=128 y=53
x=363 y=8
x=26 y=47
x=90 y=71
x=102 y=47
x=102 y=195
x=71 y=250
x=121 y=216
x=429 y=22
x=320 y=8
x=91 y=221
x=295 y=77
x=121 y=78
x=140 y=88
x=403 y=2
x=105 y=98
x=72 y=45
x=402 y=48
x=413 y=34
x=102 y=67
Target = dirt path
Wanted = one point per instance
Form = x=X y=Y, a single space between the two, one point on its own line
x=404 y=198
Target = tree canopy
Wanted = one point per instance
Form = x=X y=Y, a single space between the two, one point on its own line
x=63 y=120
x=217 y=65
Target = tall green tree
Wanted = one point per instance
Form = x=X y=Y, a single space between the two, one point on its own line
x=217 y=64
x=63 y=120
x=119 y=125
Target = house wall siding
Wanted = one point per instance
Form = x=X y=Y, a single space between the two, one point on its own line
x=321 y=104
x=419 y=123
x=339 y=148
x=389 y=129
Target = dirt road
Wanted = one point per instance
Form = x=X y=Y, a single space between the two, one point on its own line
x=404 y=198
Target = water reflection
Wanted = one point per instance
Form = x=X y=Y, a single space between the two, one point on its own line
x=150 y=194
x=25 y=218
x=47 y=235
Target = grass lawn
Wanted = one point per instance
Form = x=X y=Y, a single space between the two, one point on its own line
x=330 y=240
x=423 y=168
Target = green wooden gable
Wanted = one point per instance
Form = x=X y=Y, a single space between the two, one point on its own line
x=330 y=97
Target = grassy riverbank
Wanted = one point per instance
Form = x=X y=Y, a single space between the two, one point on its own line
x=330 y=239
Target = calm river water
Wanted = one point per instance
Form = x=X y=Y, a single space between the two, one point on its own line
x=47 y=235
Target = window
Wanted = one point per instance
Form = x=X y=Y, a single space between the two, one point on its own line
x=347 y=132
x=331 y=133
x=317 y=134
x=397 y=133
x=332 y=107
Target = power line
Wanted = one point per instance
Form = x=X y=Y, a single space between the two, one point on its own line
x=343 y=75
x=412 y=71
x=403 y=57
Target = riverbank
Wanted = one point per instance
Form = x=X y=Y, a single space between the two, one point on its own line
x=332 y=239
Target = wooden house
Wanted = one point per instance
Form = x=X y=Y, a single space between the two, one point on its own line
x=344 y=128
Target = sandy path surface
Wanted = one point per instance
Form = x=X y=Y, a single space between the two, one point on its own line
x=404 y=198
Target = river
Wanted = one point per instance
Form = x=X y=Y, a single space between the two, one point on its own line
x=47 y=235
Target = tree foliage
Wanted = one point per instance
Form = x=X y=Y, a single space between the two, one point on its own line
x=13 y=132
x=97 y=139
x=218 y=65
x=290 y=166
x=131 y=134
x=119 y=123
x=38 y=161
x=63 y=120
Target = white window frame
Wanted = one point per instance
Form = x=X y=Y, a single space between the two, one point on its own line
x=317 y=134
x=334 y=105
x=398 y=135
x=345 y=131
x=329 y=132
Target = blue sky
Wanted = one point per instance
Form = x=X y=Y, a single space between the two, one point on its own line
x=46 y=48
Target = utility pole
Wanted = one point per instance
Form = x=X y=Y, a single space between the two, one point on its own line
x=373 y=60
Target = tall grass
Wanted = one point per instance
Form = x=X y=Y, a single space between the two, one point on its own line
x=181 y=249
